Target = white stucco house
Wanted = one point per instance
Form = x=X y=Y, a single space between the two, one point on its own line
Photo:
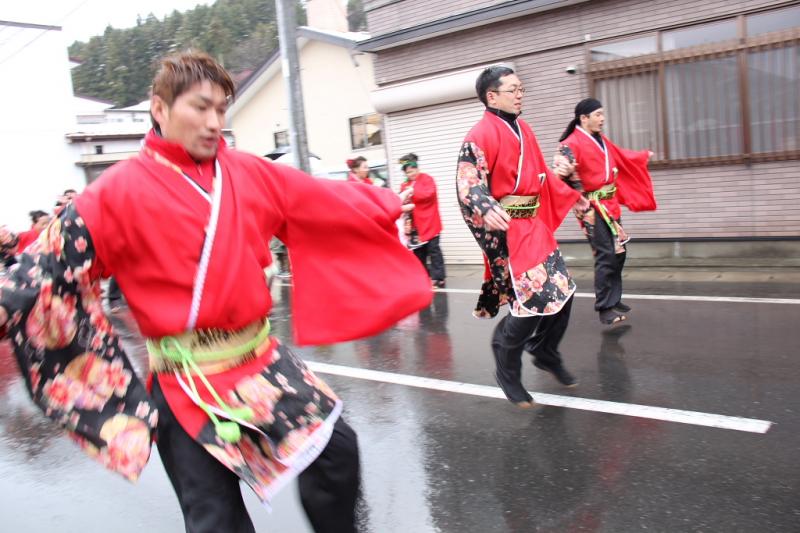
x=103 y=135
x=341 y=122
x=37 y=89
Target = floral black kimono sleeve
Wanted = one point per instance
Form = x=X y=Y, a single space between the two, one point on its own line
x=73 y=365
x=475 y=200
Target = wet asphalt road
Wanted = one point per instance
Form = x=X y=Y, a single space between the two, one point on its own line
x=443 y=462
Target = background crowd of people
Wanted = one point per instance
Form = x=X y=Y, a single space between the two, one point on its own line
x=13 y=242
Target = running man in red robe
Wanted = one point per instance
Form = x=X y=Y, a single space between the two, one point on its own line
x=184 y=227
x=608 y=177
x=513 y=203
x=423 y=224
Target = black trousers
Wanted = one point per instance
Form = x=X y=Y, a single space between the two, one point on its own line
x=431 y=249
x=211 y=498
x=607 y=266
x=539 y=335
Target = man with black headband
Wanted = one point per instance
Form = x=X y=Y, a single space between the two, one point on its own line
x=512 y=204
x=608 y=177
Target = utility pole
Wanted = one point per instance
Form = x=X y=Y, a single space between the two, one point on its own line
x=290 y=65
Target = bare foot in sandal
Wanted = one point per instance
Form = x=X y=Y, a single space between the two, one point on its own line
x=610 y=317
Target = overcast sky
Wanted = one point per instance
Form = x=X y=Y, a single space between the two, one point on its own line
x=81 y=19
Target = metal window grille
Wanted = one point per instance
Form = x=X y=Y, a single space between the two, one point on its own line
x=725 y=100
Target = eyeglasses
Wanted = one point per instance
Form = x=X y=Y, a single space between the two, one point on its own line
x=515 y=90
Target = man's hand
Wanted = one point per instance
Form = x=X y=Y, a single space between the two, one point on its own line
x=407 y=207
x=582 y=204
x=406 y=194
x=562 y=166
x=496 y=219
x=650 y=154
x=3 y=317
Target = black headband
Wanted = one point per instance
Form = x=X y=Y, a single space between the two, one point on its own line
x=585 y=107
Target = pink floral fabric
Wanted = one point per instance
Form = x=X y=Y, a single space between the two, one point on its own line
x=293 y=416
x=74 y=367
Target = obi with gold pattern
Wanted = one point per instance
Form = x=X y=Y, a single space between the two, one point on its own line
x=603 y=193
x=211 y=350
x=520 y=206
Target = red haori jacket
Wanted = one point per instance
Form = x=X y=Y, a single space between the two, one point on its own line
x=426 y=206
x=147 y=224
x=632 y=179
x=352 y=177
x=530 y=240
x=27 y=237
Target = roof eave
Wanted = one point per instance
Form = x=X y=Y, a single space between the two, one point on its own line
x=46 y=27
x=336 y=40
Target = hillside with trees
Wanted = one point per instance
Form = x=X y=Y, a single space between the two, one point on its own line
x=119 y=65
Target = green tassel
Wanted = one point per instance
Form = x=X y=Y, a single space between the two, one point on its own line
x=228 y=431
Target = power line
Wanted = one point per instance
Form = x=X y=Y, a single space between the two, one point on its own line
x=23 y=47
x=12 y=36
x=43 y=33
x=73 y=10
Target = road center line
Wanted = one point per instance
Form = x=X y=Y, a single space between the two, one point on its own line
x=696 y=418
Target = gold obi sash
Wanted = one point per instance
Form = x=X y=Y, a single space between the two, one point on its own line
x=603 y=193
x=197 y=353
x=520 y=206
x=209 y=351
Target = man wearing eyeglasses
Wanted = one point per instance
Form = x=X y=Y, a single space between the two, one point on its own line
x=513 y=203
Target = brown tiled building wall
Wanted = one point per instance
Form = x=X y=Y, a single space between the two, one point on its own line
x=758 y=200
x=602 y=19
x=386 y=16
x=725 y=201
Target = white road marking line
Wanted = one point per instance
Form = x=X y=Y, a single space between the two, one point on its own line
x=669 y=297
x=462 y=291
x=733 y=299
x=696 y=418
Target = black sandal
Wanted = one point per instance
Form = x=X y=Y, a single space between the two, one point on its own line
x=609 y=317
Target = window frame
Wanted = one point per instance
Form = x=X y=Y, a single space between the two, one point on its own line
x=275 y=135
x=657 y=62
x=363 y=123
